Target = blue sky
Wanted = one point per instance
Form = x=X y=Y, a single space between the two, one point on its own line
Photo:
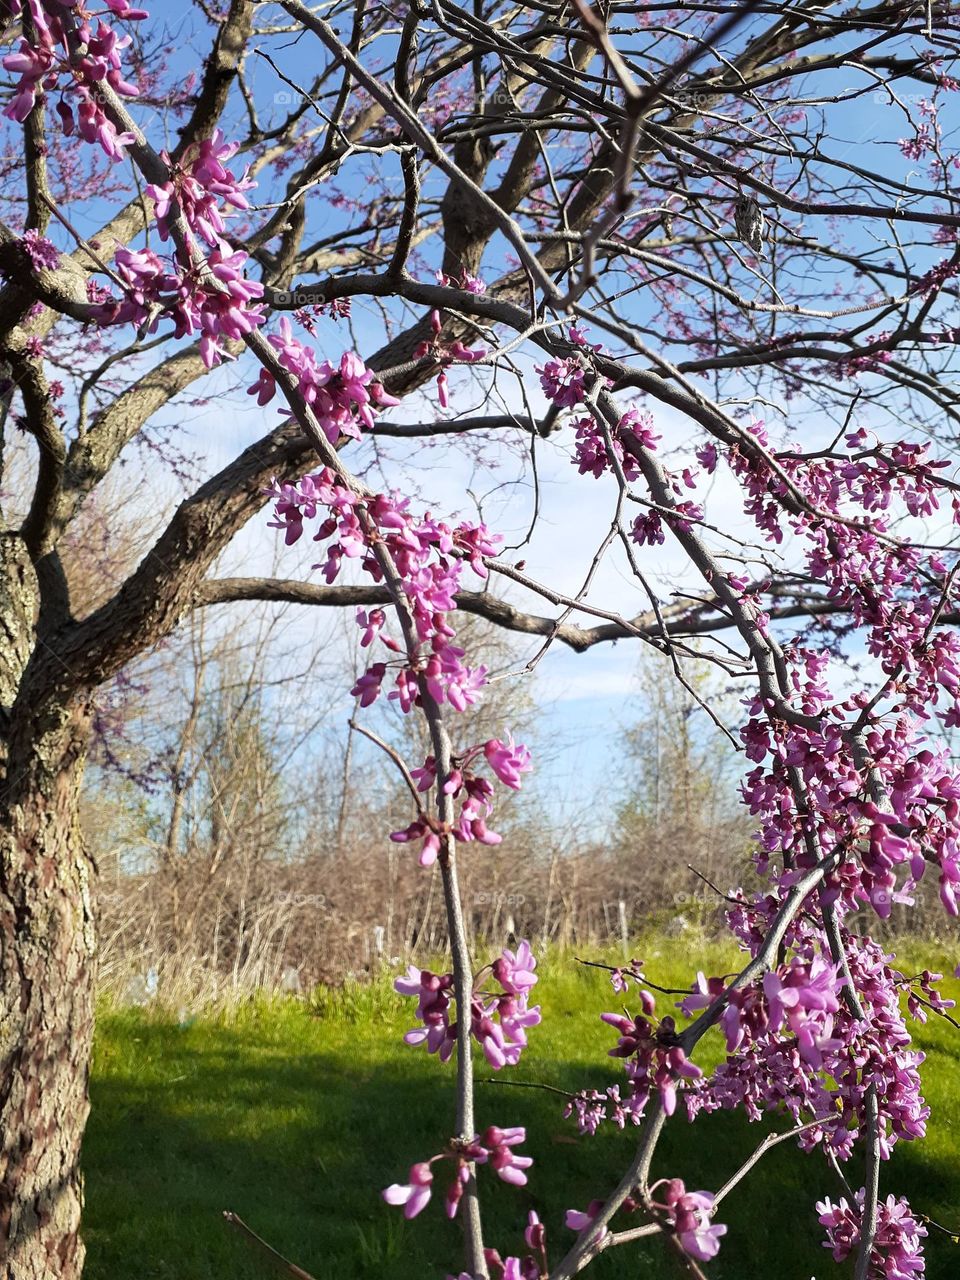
x=585 y=698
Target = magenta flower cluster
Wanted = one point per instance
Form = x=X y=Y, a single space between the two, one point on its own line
x=564 y=381
x=507 y=760
x=897 y=1252
x=429 y=557
x=218 y=303
x=685 y=1214
x=655 y=1060
x=494 y=1148
x=42 y=253
x=445 y=353
x=848 y=783
x=593 y=1106
x=42 y=64
x=344 y=397
x=689 y=1214
x=206 y=295
x=199 y=188
x=499 y=1020
x=801 y=1055
x=798 y=998
x=591 y=454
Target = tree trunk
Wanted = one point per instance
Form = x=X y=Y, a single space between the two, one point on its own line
x=46 y=961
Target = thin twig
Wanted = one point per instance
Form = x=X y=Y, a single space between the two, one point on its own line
x=276 y=1258
x=610 y=968
x=770 y=1141
x=529 y=1084
x=394 y=756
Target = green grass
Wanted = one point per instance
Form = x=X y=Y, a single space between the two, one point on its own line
x=294 y=1118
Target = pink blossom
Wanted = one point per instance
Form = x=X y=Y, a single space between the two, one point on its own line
x=495 y=1148
x=367 y=688
x=515 y=971
x=42 y=253
x=563 y=382
x=535 y=1233
x=704 y=993
x=689 y=1212
x=498 y=1021
x=508 y=760
x=647 y=529
x=445 y=353
x=638 y=424
x=579 y=1219
x=415 y=1195
x=123 y=9
x=897 y=1252
x=656 y=1060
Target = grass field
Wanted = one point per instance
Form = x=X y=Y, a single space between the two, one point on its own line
x=295 y=1118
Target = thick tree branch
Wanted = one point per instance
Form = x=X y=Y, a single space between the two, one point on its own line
x=154 y=598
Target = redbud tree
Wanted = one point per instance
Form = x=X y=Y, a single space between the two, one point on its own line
x=697 y=248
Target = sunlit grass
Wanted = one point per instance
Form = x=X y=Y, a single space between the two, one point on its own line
x=295 y=1115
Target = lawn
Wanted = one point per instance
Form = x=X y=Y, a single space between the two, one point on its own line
x=294 y=1116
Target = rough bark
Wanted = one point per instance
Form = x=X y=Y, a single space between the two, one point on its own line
x=46 y=956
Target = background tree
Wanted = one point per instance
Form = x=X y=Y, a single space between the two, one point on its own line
x=679 y=806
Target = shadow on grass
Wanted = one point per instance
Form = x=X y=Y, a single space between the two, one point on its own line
x=297 y=1129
